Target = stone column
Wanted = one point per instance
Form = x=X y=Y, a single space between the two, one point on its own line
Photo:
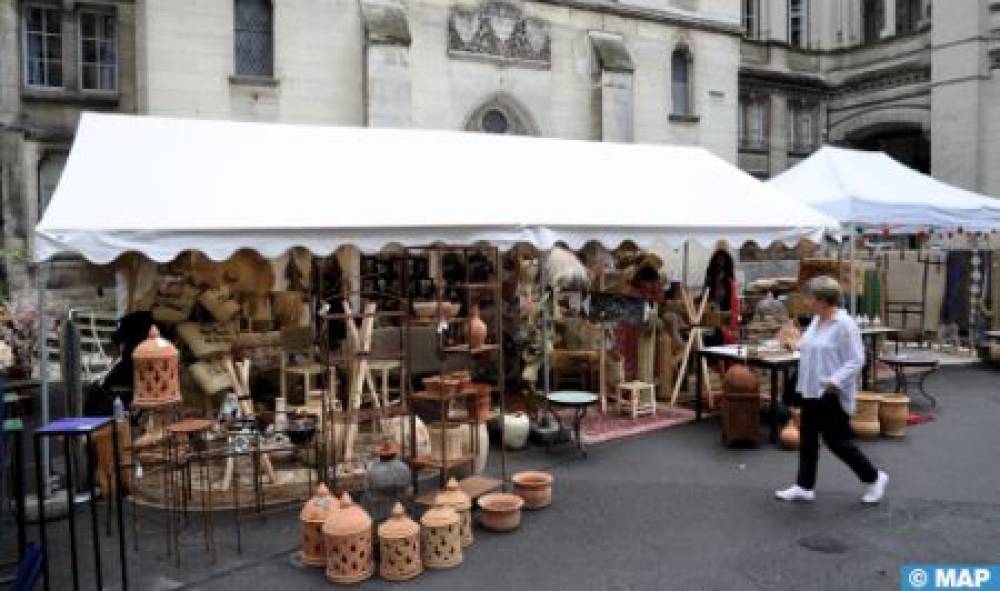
x=616 y=87
x=388 y=87
x=889 y=26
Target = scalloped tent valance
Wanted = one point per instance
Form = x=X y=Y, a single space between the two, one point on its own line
x=162 y=186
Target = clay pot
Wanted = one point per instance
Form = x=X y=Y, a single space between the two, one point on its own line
x=477 y=329
x=740 y=380
x=534 y=487
x=479 y=404
x=516 y=428
x=500 y=511
x=865 y=421
x=790 y=434
x=893 y=412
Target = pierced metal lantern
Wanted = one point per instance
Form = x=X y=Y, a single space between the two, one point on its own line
x=156 y=374
x=453 y=496
x=347 y=538
x=441 y=537
x=399 y=547
x=314 y=514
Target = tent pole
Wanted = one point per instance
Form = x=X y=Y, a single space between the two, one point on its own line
x=41 y=279
x=544 y=258
x=852 y=278
x=684 y=263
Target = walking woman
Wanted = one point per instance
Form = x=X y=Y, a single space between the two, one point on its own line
x=832 y=356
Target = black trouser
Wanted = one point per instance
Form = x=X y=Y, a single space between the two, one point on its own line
x=826 y=417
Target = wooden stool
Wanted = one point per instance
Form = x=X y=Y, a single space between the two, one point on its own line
x=640 y=396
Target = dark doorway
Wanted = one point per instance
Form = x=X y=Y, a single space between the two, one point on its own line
x=908 y=145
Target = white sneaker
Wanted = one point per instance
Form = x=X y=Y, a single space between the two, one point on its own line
x=795 y=493
x=876 y=490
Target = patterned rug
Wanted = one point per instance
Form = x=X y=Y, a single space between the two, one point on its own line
x=598 y=428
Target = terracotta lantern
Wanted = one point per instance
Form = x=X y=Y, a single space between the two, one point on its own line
x=441 y=538
x=399 y=547
x=347 y=538
x=156 y=375
x=455 y=497
x=314 y=514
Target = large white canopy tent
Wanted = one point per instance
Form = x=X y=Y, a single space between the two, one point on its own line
x=161 y=186
x=869 y=190
x=872 y=190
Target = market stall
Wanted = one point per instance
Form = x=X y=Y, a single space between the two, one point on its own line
x=876 y=197
x=362 y=268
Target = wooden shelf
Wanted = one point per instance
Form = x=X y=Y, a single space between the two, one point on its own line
x=426 y=461
x=465 y=349
x=435 y=397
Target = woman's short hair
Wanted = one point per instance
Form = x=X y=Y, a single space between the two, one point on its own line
x=825 y=289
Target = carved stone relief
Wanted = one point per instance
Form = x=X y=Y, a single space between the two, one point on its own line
x=499 y=31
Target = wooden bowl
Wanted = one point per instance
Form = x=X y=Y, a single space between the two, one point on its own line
x=501 y=512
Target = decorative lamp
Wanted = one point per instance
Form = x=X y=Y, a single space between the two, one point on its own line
x=453 y=496
x=441 y=538
x=399 y=547
x=314 y=514
x=156 y=375
x=347 y=538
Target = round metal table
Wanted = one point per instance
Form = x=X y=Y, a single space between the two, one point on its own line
x=925 y=364
x=577 y=400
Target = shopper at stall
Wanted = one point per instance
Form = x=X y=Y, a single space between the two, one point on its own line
x=832 y=356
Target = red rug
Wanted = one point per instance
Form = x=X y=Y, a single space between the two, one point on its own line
x=598 y=428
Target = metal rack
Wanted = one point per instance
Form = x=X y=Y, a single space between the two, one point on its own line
x=471 y=290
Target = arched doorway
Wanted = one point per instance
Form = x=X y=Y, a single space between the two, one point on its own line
x=905 y=142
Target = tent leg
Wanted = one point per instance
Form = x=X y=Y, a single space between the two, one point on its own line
x=41 y=280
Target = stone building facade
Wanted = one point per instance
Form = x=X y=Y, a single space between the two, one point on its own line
x=919 y=79
x=761 y=83
x=57 y=59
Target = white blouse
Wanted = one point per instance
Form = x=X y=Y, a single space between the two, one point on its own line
x=832 y=355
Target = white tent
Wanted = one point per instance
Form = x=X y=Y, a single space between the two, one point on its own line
x=162 y=186
x=870 y=189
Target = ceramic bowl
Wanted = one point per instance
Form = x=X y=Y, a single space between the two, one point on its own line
x=500 y=511
x=534 y=487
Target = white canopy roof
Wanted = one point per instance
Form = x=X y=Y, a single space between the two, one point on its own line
x=872 y=189
x=162 y=186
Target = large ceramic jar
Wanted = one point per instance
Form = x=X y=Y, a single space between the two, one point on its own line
x=156 y=372
x=865 y=420
x=389 y=480
x=453 y=496
x=314 y=514
x=347 y=537
x=399 y=547
x=893 y=412
x=477 y=329
x=516 y=428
